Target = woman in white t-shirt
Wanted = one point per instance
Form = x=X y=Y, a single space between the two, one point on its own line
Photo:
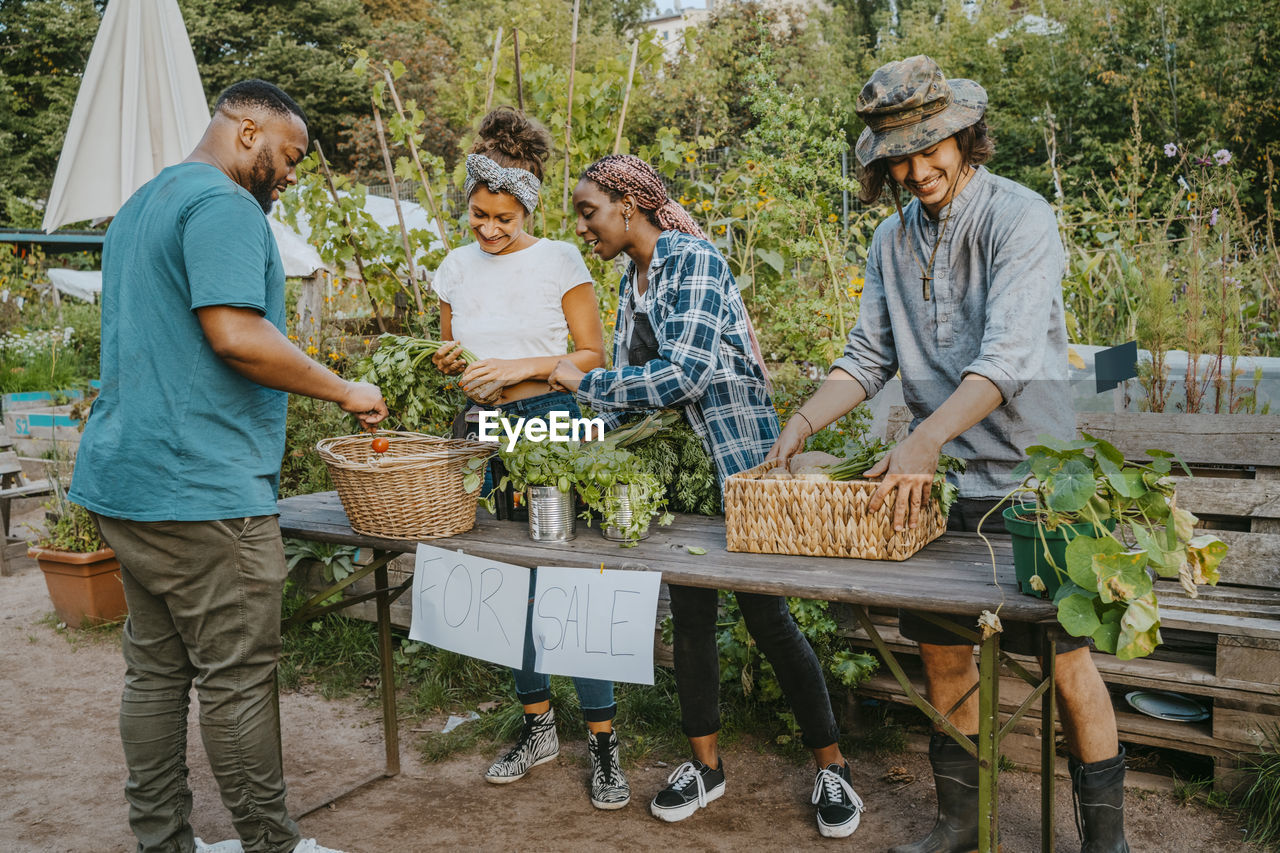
x=514 y=299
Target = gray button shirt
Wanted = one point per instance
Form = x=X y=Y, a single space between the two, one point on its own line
x=996 y=311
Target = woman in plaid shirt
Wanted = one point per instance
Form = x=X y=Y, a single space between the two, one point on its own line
x=684 y=340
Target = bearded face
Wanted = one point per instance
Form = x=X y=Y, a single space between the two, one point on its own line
x=264 y=179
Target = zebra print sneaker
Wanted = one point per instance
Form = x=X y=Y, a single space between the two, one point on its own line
x=536 y=745
x=609 y=788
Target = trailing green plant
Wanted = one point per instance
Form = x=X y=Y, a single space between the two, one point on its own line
x=599 y=469
x=1107 y=590
x=68 y=525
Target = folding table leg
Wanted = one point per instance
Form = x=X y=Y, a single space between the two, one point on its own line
x=1047 y=752
x=390 y=724
x=989 y=744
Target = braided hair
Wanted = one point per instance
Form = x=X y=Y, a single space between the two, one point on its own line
x=625 y=174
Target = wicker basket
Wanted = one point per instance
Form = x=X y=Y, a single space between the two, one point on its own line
x=413 y=491
x=818 y=519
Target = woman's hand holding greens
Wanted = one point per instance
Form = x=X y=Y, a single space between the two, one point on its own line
x=484 y=380
x=448 y=359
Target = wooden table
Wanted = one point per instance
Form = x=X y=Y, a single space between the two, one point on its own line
x=952 y=575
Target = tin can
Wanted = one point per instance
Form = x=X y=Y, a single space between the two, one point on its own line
x=551 y=514
x=622 y=499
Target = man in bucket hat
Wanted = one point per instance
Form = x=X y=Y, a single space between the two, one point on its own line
x=963 y=299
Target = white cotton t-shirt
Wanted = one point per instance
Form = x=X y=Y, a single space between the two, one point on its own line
x=509 y=306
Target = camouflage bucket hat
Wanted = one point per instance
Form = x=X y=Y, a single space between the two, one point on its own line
x=909 y=106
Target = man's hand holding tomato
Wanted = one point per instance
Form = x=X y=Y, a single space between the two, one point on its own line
x=364 y=400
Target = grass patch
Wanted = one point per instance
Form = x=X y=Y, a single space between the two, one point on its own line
x=1260 y=803
x=98 y=634
x=337 y=654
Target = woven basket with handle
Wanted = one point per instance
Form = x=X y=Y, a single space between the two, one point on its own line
x=818 y=519
x=413 y=491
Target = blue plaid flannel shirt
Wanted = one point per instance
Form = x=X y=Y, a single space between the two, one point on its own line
x=705 y=364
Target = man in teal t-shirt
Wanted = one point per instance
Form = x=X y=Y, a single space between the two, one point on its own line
x=180 y=463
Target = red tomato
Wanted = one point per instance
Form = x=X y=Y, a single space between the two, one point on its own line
x=381 y=444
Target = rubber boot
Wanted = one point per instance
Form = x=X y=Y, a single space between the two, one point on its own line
x=955 y=775
x=1098 y=789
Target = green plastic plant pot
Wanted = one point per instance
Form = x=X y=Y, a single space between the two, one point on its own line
x=1028 y=550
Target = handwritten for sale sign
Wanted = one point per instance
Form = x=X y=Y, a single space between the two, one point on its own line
x=470 y=605
x=595 y=624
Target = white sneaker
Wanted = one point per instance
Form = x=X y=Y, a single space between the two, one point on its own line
x=231 y=845
x=309 y=845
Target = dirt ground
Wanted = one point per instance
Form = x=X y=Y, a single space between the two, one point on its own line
x=62 y=775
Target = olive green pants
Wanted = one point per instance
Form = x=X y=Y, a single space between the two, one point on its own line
x=204 y=609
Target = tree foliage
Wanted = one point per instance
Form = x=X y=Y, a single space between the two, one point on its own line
x=44 y=45
x=297 y=46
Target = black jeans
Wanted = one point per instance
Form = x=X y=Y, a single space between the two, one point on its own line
x=697 y=659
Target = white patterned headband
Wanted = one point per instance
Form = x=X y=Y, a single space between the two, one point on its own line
x=521 y=183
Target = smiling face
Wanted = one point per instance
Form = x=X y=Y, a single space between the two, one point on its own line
x=278 y=143
x=600 y=219
x=929 y=175
x=497 y=220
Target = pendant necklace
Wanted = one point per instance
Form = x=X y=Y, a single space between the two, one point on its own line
x=926 y=270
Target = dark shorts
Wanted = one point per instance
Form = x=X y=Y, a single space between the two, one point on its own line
x=1020 y=638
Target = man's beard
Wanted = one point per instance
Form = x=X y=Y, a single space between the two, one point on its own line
x=262 y=180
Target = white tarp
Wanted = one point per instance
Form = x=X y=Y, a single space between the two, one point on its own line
x=82 y=284
x=140 y=108
x=301 y=258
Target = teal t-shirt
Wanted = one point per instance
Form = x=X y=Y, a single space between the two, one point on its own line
x=176 y=434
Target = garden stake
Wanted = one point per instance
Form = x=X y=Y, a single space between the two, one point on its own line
x=626 y=96
x=417 y=161
x=568 y=113
x=346 y=223
x=493 y=68
x=395 y=198
x=1048 y=663
x=515 y=47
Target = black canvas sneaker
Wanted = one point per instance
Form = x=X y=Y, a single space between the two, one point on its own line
x=536 y=745
x=689 y=787
x=839 y=806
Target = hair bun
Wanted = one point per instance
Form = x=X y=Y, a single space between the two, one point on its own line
x=510 y=138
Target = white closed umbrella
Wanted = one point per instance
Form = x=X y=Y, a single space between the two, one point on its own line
x=140 y=108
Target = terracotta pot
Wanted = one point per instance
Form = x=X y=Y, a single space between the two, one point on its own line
x=84 y=588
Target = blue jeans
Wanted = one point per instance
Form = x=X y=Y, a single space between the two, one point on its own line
x=595 y=697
